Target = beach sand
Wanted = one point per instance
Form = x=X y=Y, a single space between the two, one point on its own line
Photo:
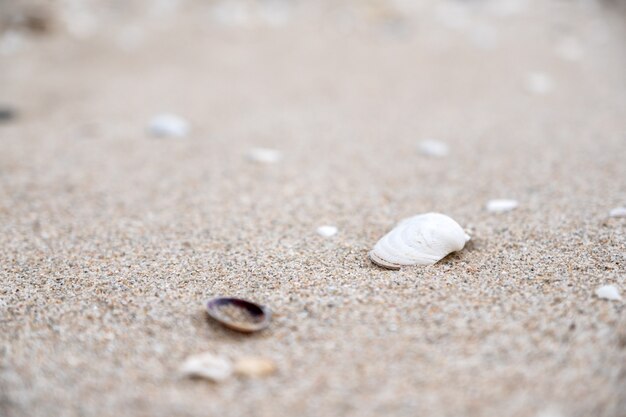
x=112 y=240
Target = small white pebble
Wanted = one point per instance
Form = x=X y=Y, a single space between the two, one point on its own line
x=501 y=205
x=276 y=13
x=207 y=366
x=168 y=126
x=569 y=49
x=618 y=212
x=11 y=42
x=80 y=23
x=432 y=147
x=232 y=13
x=608 y=292
x=265 y=155
x=538 y=83
x=452 y=15
x=508 y=8
x=484 y=36
x=327 y=231
x=551 y=411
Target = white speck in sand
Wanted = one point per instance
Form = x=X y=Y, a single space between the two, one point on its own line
x=501 y=205
x=163 y=7
x=207 y=366
x=538 y=83
x=431 y=147
x=506 y=8
x=265 y=155
x=551 y=411
x=569 y=49
x=232 y=13
x=168 y=126
x=484 y=36
x=80 y=23
x=327 y=231
x=618 y=212
x=608 y=292
x=452 y=15
x=274 y=13
x=130 y=39
x=11 y=42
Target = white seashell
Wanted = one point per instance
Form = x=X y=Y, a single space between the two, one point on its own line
x=327 y=231
x=168 y=126
x=419 y=240
x=608 y=292
x=538 y=83
x=618 y=212
x=265 y=155
x=207 y=366
x=501 y=206
x=431 y=147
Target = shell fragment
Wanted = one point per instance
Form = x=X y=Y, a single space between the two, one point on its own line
x=501 y=205
x=265 y=155
x=618 y=212
x=608 y=292
x=327 y=231
x=168 y=126
x=254 y=367
x=434 y=148
x=207 y=366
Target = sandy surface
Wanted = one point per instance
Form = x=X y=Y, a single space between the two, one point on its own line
x=110 y=240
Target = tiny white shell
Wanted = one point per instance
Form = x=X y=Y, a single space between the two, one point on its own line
x=419 y=240
x=326 y=231
x=570 y=49
x=264 y=155
x=538 y=83
x=608 y=292
x=208 y=366
x=618 y=212
x=431 y=147
x=168 y=126
x=501 y=205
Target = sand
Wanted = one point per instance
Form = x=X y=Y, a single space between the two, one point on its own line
x=111 y=240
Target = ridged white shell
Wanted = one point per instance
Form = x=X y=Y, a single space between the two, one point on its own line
x=419 y=240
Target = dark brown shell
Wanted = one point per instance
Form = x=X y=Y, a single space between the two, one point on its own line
x=238 y=314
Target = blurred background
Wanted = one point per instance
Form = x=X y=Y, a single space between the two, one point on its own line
x=156 y=153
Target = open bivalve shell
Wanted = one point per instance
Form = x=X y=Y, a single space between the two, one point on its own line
x=424 y=239
x=237 y=314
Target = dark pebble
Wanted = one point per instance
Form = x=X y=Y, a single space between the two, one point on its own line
x=6 y=114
